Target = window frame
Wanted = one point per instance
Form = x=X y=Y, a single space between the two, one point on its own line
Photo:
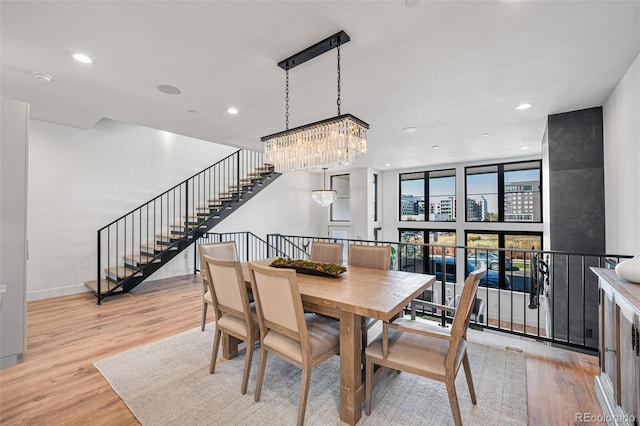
x=426 y=177
x=502 y=250
x=331 y=208
x=425 y=259
x=500 y=167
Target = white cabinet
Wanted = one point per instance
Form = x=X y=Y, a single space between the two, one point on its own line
x=618 y=384
x=14 y=149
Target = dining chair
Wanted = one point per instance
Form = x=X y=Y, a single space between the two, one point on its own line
x=326 y=252
x=427 y=350
x=304 y=340
x=226 y=251
x=375 y=257
x=233 y=313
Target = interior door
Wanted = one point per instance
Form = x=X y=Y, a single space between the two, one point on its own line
x=341 y=233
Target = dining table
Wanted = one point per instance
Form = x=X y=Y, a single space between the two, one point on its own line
x=358 y=292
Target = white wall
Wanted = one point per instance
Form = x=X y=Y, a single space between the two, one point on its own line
x=284 y=207
x=81 y=180
x=622 y=164
x=361 y=225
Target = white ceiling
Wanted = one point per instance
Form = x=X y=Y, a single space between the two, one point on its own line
x=453 y=69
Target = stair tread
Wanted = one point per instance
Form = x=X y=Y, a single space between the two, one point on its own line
x=120 y=272
x=105 y=286
x=140 y=258
x=151 y=248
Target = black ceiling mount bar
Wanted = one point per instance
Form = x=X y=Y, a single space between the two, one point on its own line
x=317 y=49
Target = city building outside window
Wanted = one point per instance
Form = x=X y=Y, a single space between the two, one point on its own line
x=508 y=192
x=428 y=195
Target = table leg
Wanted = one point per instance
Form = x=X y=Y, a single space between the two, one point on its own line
x=351 y=389
x=229 y=346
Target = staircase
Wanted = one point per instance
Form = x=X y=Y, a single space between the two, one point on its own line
x=134 y=246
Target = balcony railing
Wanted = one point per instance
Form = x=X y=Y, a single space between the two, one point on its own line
x=549 y=296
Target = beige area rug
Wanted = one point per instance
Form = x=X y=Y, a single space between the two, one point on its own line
x=168 y=383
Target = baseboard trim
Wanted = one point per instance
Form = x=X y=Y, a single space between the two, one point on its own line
x=56 y=292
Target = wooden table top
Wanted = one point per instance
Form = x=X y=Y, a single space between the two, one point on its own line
x=367 y=292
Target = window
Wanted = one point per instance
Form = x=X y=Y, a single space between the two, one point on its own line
x=412 y=196
x=340 y=208
x=509 y=268
x=442 y=195
x=375 y=197
x=504 y=192
x=522 y=181
x=482 y=194
x=431 y=192
x=415 y=257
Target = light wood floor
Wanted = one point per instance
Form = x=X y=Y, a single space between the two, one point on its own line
x=57 y=384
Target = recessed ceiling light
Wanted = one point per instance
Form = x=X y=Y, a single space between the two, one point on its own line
x=388 y=164
x=409 y=130
x=523 y=106
x=411 y=3
x=192 y=111
x=485 y=134
x=81 y=57
x=435 y=146
x=232 y=110
x=525 y=147
x=42 y=76
x=169 y=90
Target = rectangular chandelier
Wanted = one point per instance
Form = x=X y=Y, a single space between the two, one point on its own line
x=334 y=141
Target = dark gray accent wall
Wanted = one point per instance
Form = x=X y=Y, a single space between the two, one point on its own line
x=576 y=222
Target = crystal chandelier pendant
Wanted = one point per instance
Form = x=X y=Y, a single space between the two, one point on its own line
x=324 y=196
x=334 y=141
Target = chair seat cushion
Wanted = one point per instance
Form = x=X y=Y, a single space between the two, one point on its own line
x=417 y=352
x=324 y=337
x=237 y=325
x=207 y=297
x=423 y=325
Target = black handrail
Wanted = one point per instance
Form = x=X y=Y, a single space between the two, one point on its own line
x=171 y=189
x=175 y=218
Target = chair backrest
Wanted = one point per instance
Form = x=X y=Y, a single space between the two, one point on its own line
x=278 y=304
x=464 y=309
x=224 y=251
x=376 y=257
x=326 y=252
x=227 y=288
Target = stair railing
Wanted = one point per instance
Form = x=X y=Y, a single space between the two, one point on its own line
x=171 y=220
x=248 y=245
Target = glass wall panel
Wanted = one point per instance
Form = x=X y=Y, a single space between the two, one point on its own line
x=482 y=194
x=412 y=189
x=442 y=196
x=341 y=207
x=522 y=200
